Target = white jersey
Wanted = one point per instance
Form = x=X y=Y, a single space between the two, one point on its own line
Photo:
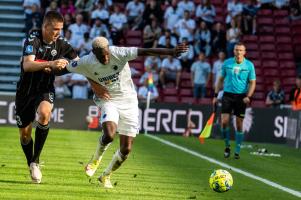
x=115 y=76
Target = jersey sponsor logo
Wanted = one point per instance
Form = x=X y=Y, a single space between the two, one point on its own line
x=115 y=67
x=74 y=63
x=53 y=52
x=29 y=49
x=108 y=80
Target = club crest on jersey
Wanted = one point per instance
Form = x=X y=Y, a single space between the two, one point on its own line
x=74 y=64
x=115 y=67
x=29 y=49
x=236 y=70
x=53 y=52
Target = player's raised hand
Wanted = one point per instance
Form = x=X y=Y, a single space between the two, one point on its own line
x=99 y=90
x=181 y=48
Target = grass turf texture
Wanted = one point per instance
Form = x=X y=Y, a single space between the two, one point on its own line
x=152 y=171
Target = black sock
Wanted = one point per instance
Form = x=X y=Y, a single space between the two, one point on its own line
x=40 y=138
x=27 y=149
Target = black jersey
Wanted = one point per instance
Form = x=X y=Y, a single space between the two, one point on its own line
x=40 y=81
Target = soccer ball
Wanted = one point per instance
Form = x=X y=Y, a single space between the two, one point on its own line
x=220 y=181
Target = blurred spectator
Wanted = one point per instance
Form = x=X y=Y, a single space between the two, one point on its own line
x=118 y=22
x=170 y=70
x=187 y=58
x=162 y=39
x=144 y=89
x=152 y=11
x=218 y=38
x=153 y=62
x=249 y=16
x=84 y=45
x=79 y=85
x=30 y=6
x=151 y=34
x=185 y=27
x=186 y=5
x=217 y=68
x=295 y=11
x=274 y=3
x=276 y=96
x=84 y=6
x=61 y=89
x=99 y=28
x=200 y=71
x=67 y=21
x=100 y=13
x=233 y=36
x=172 y=15
x=68 y=37
x=205 y=11
x=67 y=7
x=53 y=7
x=202 y=38
x=235 y=9
x=295 y=95
x=78 y=29
x=107 y=3
x=145 y=76
x=33 y=20
x=134 y=10
x=27 y=4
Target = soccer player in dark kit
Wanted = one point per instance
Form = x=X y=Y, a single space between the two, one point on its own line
x=44 y=52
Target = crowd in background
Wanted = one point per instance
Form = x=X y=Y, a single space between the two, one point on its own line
x=163 y=23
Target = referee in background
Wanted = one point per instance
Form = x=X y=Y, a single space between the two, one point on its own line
x=239 y=80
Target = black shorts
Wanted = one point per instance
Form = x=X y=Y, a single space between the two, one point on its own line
x=233 y=103
x=26 y=106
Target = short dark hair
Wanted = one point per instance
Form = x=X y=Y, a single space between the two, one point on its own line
x=240 y=44
x=53 y=16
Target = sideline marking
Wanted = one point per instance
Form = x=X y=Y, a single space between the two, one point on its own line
x=212 y=160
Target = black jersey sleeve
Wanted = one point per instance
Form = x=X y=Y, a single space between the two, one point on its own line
x=31 y=45
x=67 y=50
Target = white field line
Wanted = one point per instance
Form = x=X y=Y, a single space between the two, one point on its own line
x=212 y=160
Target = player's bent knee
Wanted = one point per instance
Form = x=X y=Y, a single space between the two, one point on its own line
x=125 y=150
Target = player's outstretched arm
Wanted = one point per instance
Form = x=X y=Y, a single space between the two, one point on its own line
x=180 y=48
x=30 y=65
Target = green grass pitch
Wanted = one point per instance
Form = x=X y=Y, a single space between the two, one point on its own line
x=152 y=171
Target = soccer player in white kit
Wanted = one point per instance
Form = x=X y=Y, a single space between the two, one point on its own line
x=108 y=71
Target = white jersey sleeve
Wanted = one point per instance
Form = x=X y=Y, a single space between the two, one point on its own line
x=78 y=67
x=125 y=53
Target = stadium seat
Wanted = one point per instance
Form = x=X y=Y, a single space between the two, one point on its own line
x=258 y=71
x=268 y=55
x=258 y=96
x=286 y=56
x=284 y=39
x=267 y=47
x=284 y=48
x=250 y=38
x=252 y=55
x=135 y=34
x=288 y=64
x=133 y=41
x=251 y=46
x=171 y=99
x=265 y=21
x=260 y=87
x=289 y=73
x=289 y=81
x=282 y=30
x=265 y=12
x=257 y=63
x=205 y=101
x=170 y=91
x=137 y=65
x=266 y=39
x=280 y=14
x=189 y=100
x=281 y=22
x=258 y=104
x=259 y=79
x=185 y=92
x=185 y=76
x=185 y=84
x=271 y=72
x=270 y=64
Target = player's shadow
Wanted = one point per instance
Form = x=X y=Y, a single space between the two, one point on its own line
x=15 y=182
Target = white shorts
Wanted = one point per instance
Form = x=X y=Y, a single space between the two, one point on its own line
x=124 y=114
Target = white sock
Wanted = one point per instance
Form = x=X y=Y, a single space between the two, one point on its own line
x=100 y=149
x=116 y=162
